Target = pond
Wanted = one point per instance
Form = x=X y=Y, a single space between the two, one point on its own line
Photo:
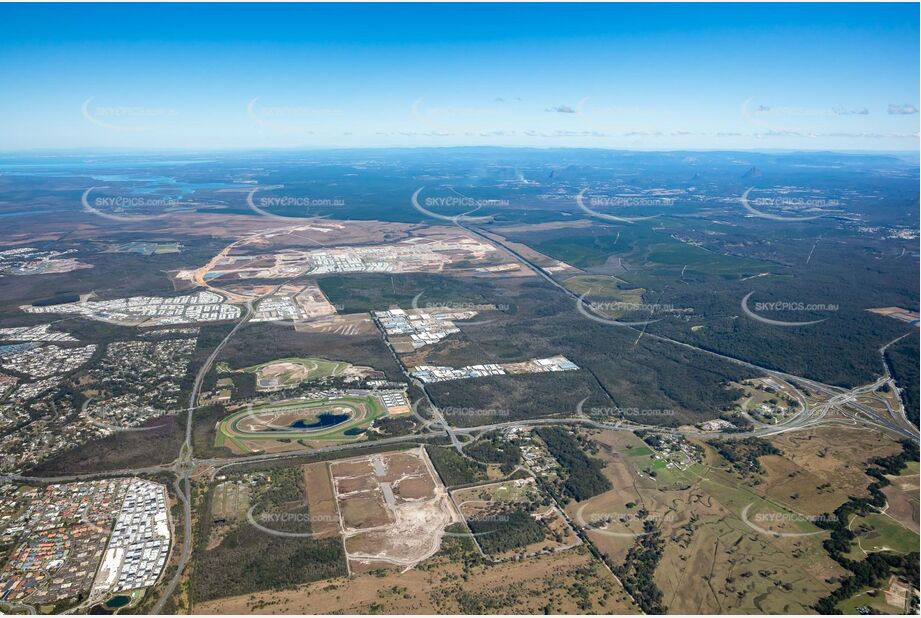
x=326 y=419
x=118 y=601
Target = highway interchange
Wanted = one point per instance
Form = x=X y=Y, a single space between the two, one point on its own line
x=850 y=405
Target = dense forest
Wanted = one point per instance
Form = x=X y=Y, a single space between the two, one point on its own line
x=249 y=559
x=903 y=360
x=502 y=532
x=453 y=468
x=583 y=474
x=638 y=570
x=494 y=448
x=744 y=455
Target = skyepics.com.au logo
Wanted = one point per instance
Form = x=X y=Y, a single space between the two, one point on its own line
x=126 y=117
x=299 y=206
x=115 y=418
x=777 y=522
x=460 y=307
x=623 y=524
x=453 y=411
x=626 y=306
x=291 y=525
x=784 y=306
x=628 y=412
x=589 y=310
x=303 y=119
x=622 y=202
x=602 y=311
x=458 y=201
x=781 y=205
x=127 y=208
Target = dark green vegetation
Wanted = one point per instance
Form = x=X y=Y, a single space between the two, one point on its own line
x=122 y=450
x=388 y=426
x=744 y=454
x=453 y=468
x=582 y=475
x=618 y=369
x=266 y=341
x=494 y=448
x=114 y=275
x=250 y=560
x=374 y=292
x=878 y=565
x=58 y=299
x=638 y=570
x=696 y=270
x=903 y=360
x=499 y=399
x=507 y=530
x=203 y=422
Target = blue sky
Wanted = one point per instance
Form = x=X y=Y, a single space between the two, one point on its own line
x=666 y=76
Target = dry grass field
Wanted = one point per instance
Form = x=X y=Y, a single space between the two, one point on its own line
x=733 y=542
x=444 y=585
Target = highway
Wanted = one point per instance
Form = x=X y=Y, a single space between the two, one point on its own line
x=842 y=396
x=185 y=463
x=810 y=416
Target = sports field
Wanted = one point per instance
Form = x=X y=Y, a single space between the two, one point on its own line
x=297 y=423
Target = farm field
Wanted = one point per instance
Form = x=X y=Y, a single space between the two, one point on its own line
x=321 y=502
x=297 y=424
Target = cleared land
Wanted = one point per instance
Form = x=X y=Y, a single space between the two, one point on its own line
x=902 y=498
x=289 y=372
x=321 y=502
x=393 y=508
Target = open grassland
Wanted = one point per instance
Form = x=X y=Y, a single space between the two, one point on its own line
x=880 y=532
x=902 y=498
x=733 y=541
x=455 y=581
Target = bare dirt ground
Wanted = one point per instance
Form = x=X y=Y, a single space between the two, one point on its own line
x=321 y=503
x=393 y=508
x=350 y=325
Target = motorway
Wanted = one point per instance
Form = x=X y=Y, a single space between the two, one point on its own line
x=810 y=415
x=185 y=463
x=841 y=396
